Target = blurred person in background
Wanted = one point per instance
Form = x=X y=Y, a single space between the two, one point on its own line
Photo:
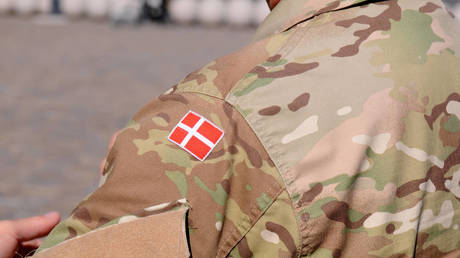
x=336 y=133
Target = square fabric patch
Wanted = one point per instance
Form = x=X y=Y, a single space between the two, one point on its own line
x=197 y=135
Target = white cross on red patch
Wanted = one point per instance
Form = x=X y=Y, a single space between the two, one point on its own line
x=197 y=135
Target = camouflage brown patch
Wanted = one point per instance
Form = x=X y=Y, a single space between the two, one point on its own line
x=330 y=7
x=440 y=109
x=338 y=211
x=72 y=233
x=390 y=228
x=270 y=111
x=305 y=217
x=380 y=22
x=164 y=116
x=196 y=75
x=429 y=8
x=226 y=185
x=274 y=58
x=299 y=102
x=253 y=155
x=216 y=154
x=430 y=251
x=233 y=149
x=284 y=235
x=448 y=138
x=337 y=253
x=232 y=67
x=243 y=249
x=435 y=174
x=173 y=97
x=102 y=221
x=82 y=213
x=309 y=196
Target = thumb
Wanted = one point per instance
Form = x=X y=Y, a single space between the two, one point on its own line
x=35 y=227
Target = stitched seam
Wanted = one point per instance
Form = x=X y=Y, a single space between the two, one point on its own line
x=269 y=145
x=254 y=215
x=285 y=50
x=316 y=14
x=254 y=207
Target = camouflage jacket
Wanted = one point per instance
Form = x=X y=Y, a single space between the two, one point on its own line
x=341 y=138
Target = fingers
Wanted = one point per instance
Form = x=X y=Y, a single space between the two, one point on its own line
x=34 y=227
x=8 y=245
x=35 y=243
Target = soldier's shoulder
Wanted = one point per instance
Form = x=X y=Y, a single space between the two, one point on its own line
x=217 y=78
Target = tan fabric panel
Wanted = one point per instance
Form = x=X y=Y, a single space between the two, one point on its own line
x=161 y=235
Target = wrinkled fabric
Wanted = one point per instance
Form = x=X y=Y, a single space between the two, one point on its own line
x=342 y=137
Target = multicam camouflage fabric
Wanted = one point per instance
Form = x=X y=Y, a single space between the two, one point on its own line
x=342 y=138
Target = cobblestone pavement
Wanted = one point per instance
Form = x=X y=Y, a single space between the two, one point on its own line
x=65 y=87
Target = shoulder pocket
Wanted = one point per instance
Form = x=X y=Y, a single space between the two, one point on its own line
x=161 y=234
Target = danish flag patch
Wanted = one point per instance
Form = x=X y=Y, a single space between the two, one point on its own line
x=197 y=135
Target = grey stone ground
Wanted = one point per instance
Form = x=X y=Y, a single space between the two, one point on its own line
x=65 y=88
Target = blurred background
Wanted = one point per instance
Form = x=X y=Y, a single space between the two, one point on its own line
x=72 y=72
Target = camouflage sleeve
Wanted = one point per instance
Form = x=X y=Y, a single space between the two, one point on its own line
x=144 y=169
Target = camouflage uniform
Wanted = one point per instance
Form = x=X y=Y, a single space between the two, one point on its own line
x=342 y=138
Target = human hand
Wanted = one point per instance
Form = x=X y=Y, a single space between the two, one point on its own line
x=23 y=236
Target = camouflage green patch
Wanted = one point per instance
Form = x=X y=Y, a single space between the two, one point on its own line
x=380 y=164
x=295 y=197
x=63 y=231
x=112 y=222
x=345 y=181
x=355 y=215
x=413 y=27
x=254 y=85
x=244 y=112
x=263 y=201
x=235 y=253
x=219 y=216
x=157 y=142
x=179 y=179
x=314 y=210
x=219 y=195
x=434 y=232
x=276 y=63
x=237 y=216
x=452 y=125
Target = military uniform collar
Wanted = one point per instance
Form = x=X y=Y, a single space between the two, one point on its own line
x=290 y=12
